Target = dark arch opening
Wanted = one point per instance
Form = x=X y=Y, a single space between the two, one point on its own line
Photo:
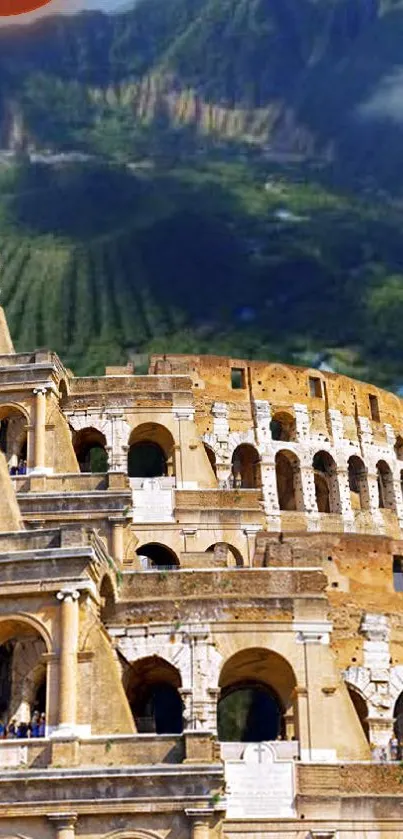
x=326 y=483
x=282 y=427
x=13 y=438
x=23 y=680
x=287 y=475
x=158 y=556
x=358 y=484
x=246 y=467
x=212 y=458
x=153 y=694
x=361 y=709
x=386 y=491
x=399 y=448
x=90 y=449
x=249 y=713
x=398 y=717
x=107 y=596
x=146 y=460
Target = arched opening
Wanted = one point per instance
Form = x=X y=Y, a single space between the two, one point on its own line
x=358 y=484
x=326 y=483
x=107 y=597
x=246 y=467
x=398 y=718
x=13 y=438
x=153 y=555
x=152 y=688
x=63 y=393
x=399 y=448
x=256 y=697
x=212 y=458
x=386 y=493
x=90 y=450
x=288 y=477
x=151 y=450
x=23 y=684
x=249 y=713
x=361 y=709
x=226 y=555
x=282 y=427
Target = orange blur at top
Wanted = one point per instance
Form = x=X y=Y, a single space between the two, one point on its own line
x=20 y=7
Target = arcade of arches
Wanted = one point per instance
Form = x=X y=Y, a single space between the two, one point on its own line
x=257 y=694
x=152 y=687
x=151 y=452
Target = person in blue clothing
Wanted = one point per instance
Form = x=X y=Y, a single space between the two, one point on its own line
x=42 y=725
x=35 y=724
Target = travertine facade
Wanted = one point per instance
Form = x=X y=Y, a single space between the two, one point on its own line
x=201 y=579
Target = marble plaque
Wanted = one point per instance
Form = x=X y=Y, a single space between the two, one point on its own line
x=261 y=788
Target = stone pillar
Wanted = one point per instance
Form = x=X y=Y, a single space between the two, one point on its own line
x=40 y=429
x=269 y=492
x=117 y=540
x=345 y=499
x=64 y=825
x=303 y=721
x=307 y=490
x=302 y=423
x=69 y=625
x=200 y=822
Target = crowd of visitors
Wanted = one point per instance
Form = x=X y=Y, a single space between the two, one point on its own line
x=393 y=751
x=15 y=730
x=20 y=469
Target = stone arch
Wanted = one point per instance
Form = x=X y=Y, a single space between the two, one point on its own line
x=326 y=483
x=228 y=554
x=152 y=686
x=257 y=691
x=13 y=434
x=398 y=718
x=358 y=483
x=386 y=492
x=159 y=556
x=246 y=467
x=281 y=383
x=90 y=449
x=288 y=478
x=63 y=392
x=360 y=707
x=398 y=447
x=23 y=669
x=211 y=457
x=282 y=426
x=151 y=451
x=28 y=621
x=108 y=596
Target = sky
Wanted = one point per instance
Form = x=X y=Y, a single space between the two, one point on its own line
x=65 y=6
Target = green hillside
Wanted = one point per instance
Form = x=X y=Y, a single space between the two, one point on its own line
x=243 y=193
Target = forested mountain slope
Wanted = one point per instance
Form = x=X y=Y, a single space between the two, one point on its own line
x=244 y=189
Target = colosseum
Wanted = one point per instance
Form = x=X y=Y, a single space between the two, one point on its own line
x=201 y=583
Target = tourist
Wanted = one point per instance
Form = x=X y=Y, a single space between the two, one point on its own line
x=3 y=730
x=35 y=724
x=22 y=467
x=394 y=749
x=22 y=730
x=42 y=725
x=12 y=729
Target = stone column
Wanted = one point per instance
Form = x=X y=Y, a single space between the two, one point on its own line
x=117 y=540
x=69 y=624
x=200 y=822
x=64 y=825
x=304 y=726
x=40 y=429
x=307 y=490
x=269 y=492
